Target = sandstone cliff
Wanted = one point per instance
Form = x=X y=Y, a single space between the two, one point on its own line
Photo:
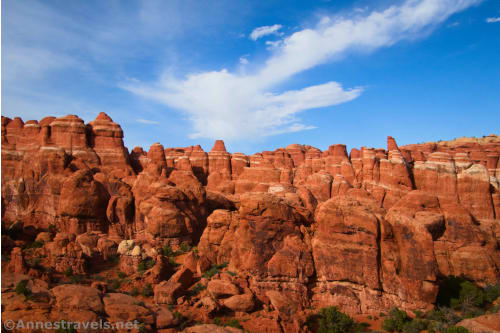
x=297 y=227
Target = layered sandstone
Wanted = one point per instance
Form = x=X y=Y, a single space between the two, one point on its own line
x=292 y=229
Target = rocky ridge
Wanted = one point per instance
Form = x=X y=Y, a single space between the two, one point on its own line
x=290 y=230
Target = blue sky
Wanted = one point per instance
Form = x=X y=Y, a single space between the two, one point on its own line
x=258 y=74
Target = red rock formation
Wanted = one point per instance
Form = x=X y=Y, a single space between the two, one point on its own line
x=106 y=139
x=297 y=227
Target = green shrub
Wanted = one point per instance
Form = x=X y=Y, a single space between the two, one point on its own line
x=22 y=289
x=183 y=320
x=145 y=264
x=234 y=323
x=134 y=292
x=115 y=284
x=52 y=228
x=76 y=279
x=443 y=315
x=35 y=245
x=214 y=269
x=435 y=327
x=148 y=290
x=494 y=309
x=457 y=329
x=396 y=321
x=122 y=275
x=68 y=272
x=142 y=328
x=418 y=313
x=465 y=296
x=172 y=262
x=331 y=320
x=34 y=263
x=492 y=292
x=185 y=247
x=470 y=295
x=449 y=289
x=217 y=321
x=167 y=251
x=113 y=259
x=415 y=326
x=197 y=289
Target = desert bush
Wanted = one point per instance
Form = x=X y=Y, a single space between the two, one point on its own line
x=22 y=288
x=396 y=321
x=469 y=296
x=52 y=229
x=68 y=272
x=34 y=262
x=183 y=320
x=167 y=251
x=185 y=247
x=145 y=264
x=457 y=329
x=197 y=289
x=35 y=245
x=494 y=309
x=214 y=269
x=234 y=323
x=76 y=279
x=148 y=290
x=113 y=259
x=449 y=288
x=443 y=315
x=115 y=284
x=134 y=292
x=492 y=292
x=172 y=262
x=415 y=326
x=331 y=320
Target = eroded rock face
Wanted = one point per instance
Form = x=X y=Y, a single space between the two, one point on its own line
x=279 y=231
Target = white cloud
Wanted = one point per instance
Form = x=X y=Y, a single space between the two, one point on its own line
x=243 y=61
x=493 y=19
x=273 y=44
x=221 y=104
x=264 y=31
x=147 y=122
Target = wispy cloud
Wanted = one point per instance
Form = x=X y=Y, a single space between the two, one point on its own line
x=70 y=49
x=243 y=60
x=221 y=104
x=264 y=31
x=147 y=122
x=493 y=19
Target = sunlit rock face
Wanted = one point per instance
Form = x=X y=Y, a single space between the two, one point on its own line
x=296 y=227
